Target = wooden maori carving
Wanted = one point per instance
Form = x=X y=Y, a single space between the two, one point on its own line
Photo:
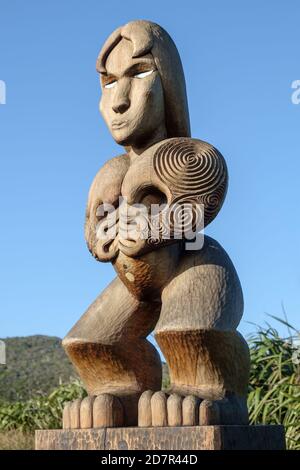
x=146 y=208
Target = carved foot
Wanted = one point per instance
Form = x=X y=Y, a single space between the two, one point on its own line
x=163 y=409
x=105 y=410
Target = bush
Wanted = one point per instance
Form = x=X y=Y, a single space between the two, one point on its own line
x=274 y=389
x=40 y=412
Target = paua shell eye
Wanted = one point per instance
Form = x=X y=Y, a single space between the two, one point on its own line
x=143 y=74
x=111 y=84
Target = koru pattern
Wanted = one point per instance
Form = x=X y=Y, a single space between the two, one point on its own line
x=196 y=174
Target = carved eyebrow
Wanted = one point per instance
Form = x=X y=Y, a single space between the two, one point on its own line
x=139 y=67
x=107 y=78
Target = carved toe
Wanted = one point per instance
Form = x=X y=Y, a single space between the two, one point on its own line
x=144 y=409
x=159 y=409
x=66 y=416
x=209 y=413
x=75 y=414
x=190 y=410
x=86 y=412
x=174 y=410
x=107 y=411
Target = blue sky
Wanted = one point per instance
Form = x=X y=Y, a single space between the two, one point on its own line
x=240 y=59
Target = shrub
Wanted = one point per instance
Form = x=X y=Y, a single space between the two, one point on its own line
x=41 y=412
x=274 y=389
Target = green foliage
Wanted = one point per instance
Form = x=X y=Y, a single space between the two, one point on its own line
x=35 y=365
x=41 y=412
x=274 y=391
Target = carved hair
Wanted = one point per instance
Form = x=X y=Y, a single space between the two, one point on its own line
x=148 y=37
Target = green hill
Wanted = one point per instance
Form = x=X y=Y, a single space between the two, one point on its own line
x=37 y=365
x=34 y=364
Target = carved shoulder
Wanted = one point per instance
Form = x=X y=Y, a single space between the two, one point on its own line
x=106 y=188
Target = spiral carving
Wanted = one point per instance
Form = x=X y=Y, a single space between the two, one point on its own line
x=194 y=171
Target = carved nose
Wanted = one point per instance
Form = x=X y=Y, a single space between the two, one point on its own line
x=121 y=106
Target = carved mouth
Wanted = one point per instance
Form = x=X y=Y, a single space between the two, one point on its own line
x=127 y=242
x=119 y=124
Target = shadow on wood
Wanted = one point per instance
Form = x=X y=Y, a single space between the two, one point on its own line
x=164 y=438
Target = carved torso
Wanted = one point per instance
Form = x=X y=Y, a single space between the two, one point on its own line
x=174 y=172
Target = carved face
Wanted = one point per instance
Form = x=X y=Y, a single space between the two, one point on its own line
x=132 y=102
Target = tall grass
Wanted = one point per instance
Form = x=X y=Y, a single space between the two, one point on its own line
x=274 y=389
x=16 y=440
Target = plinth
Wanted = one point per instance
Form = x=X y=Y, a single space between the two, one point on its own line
x=164 y=438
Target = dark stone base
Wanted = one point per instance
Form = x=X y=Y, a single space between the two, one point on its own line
x=166 y=438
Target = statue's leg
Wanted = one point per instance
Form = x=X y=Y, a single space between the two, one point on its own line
x=208 y=359
x=110 y=352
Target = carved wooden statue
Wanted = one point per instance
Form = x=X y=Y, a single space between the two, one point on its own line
x=191 y=298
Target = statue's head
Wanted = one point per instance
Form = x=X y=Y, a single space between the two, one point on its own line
x=143 y=85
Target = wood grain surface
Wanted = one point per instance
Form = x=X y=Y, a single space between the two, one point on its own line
x=164 y=438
